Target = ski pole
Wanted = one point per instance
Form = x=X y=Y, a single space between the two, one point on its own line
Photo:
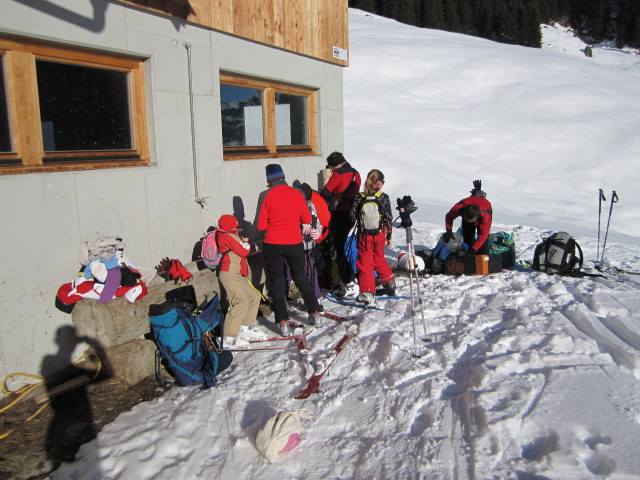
x=412 y=304
x=413 y=317
x=601 y=199
x=415 y=271
x=614 y=199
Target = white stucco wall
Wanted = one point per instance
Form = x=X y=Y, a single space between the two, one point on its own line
x=45 y=216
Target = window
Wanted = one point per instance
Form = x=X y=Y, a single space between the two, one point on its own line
x=68 y=109
x=263 y=119
x=73 y=113
x=5 y=139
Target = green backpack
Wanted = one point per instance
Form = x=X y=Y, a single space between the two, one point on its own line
x=503 y=244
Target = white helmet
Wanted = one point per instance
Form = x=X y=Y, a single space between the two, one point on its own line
x=403 y=260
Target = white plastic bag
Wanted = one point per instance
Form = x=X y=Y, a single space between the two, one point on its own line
x=280 y=434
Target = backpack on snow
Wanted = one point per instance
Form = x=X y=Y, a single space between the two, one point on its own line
x=559 y=253
x=210 y=254
x=280 y=434
x=177 y=326
x=436 y=262
x=370 y=214
x=503 y=244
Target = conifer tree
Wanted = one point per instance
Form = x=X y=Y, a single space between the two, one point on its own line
x=366 y=5
x=406 y=11
x=465 y=16
x=451 y=19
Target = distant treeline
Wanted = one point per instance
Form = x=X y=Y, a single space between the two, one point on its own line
x=517 y=21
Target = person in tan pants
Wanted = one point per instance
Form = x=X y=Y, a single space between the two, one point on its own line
x=233 y=274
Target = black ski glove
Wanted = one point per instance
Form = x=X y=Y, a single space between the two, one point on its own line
x=406 y=207
x=447 y=236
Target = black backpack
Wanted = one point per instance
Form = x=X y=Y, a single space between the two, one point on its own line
x=558 y=254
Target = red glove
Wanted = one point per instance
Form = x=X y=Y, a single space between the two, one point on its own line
x=174 y=269
x=182 y=273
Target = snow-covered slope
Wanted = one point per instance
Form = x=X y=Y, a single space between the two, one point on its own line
x=544 y=129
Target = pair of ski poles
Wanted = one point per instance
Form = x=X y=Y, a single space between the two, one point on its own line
x=412 y=266
x=406 y=207
x=601 y=198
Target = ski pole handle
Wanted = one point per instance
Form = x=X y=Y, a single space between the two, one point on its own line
x=614 y=197
x=602 y=197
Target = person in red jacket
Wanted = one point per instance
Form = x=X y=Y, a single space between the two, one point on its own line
x=233 y=274
x=340 y=192
x=371 y=243
x=476 y=213
x=285 y=217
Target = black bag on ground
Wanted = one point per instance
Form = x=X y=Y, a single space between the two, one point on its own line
x=558 y=254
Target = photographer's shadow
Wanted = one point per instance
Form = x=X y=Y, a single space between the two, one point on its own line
x=72 y=424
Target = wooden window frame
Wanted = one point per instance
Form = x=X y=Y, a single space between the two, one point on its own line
x=270 y=149
x=28 y=155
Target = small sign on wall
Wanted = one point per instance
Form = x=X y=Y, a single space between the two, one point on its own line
x=340 y=53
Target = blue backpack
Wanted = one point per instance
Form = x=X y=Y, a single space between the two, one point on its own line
x=441 y=251
x=177 y=329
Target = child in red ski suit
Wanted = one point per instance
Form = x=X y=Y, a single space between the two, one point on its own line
x=371 y=247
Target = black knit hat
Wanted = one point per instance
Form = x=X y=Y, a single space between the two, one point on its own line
x=335 y=159
x=274 y=172
x=306 y=190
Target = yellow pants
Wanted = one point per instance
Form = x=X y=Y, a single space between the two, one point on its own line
x=244 y=302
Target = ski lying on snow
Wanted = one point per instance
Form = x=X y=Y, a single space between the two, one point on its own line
x=322 y=367
x=329 y=315
x=275 y=339
x=616 y=271
x=351 y=302
x=301 y=340
x=300 y=336
x=337 y=318
x=260 y=348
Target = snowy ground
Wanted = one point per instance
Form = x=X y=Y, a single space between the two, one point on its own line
x=528 y=376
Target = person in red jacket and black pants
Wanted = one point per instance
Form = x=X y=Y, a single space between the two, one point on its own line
x=340 y=192
x=476 y=213
x=285 y=217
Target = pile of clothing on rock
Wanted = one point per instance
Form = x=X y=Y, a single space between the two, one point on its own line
x=105 y=273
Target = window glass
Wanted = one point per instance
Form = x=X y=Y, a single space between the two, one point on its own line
x=242 y=117
x=83 y=108
x=5 y=139
x=291 y=120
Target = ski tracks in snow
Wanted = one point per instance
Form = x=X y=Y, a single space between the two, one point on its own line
x=478 y=402
x=496 y=337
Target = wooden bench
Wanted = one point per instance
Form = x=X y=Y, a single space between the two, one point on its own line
x=117 y=328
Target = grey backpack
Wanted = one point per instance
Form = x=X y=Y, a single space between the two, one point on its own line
x=370 y=214
x=558 y=254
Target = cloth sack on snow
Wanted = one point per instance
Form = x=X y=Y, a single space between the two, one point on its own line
x=280 y=434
